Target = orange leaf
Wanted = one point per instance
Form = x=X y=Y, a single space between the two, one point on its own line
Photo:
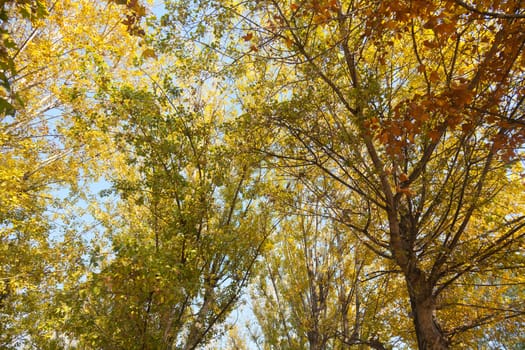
x=334 y=6
x=319 y=18
x=444 y=29
x=467 y=127
x=407 y=125
x=383 y=138
x=394 y=149
x=430 y=44
x=247 y=37
x=434 y=135
x=462 y=94
x=434 y=76
x=431 y=23
x=396 y=130
x=424 y=117
x=491 y=119
x=453 y=119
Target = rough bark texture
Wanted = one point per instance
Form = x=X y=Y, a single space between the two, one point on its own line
x=420 y=288
x=428 y=332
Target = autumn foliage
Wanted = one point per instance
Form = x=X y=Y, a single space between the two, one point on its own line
x=337 y=173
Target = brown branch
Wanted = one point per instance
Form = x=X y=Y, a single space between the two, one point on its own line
x=488 y=13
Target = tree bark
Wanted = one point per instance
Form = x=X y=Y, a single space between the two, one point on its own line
x=420 y=288
x=429 y=334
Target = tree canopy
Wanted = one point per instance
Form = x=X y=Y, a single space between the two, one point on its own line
x=347 y=172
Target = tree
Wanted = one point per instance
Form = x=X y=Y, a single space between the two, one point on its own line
x=50 y=50
x=416 y=107
x=63 y=292
x=31 y=11
x=319 y=287
x=363 y=158
x=186 y=232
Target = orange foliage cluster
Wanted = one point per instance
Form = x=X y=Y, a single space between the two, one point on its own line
x=322 y=10
x=461 y=104
x=425 y=116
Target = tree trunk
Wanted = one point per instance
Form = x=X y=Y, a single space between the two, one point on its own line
x=429 y=334
x=314 y=340
x=420 y=289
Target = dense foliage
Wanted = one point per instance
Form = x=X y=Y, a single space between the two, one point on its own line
x=346 y=174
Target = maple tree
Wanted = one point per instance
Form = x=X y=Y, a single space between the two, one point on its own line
x=417 y=108
x=413 y=124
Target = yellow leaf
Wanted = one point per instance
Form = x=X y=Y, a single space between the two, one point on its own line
x=149 y=53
